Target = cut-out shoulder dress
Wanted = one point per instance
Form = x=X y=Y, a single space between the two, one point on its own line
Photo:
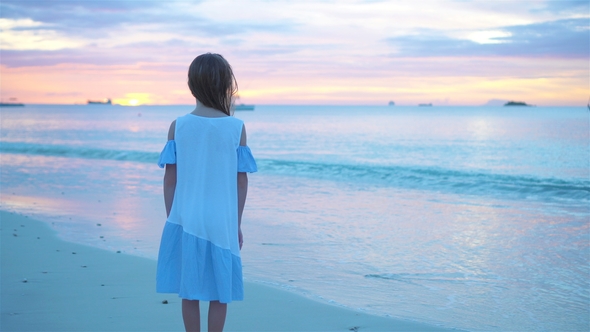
x=199 y=256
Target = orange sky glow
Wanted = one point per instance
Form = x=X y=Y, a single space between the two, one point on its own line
x=340 y=52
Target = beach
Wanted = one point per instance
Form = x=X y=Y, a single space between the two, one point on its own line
x=440 y=180
x=473 y=218
x=52 y=285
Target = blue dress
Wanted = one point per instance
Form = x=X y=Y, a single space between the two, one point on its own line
x=199 y=257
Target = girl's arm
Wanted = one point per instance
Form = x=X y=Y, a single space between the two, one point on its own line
x=242 y=192
x=170 y=176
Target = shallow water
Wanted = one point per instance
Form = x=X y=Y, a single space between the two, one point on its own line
x=467 y=217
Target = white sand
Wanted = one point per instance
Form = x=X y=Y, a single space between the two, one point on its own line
x=71 y=287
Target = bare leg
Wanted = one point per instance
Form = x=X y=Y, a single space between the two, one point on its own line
x=217 y=312
x=191 y=315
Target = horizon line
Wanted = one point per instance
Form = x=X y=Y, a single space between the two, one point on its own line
x=304 y=104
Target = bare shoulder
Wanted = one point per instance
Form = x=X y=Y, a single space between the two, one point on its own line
x=171 y=130
x=243 y=139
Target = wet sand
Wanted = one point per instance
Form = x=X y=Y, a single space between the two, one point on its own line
x=51 y=285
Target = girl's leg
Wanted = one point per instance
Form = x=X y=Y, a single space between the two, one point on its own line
x=217 y=312
x=191 y=315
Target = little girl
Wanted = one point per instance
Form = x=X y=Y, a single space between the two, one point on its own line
x=205 y=186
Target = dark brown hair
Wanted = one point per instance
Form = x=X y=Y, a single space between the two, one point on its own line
x=211 y=80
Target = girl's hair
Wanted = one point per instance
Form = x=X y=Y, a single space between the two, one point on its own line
x=211 y=80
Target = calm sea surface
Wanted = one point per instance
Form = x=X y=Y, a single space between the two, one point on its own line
x=468 y=217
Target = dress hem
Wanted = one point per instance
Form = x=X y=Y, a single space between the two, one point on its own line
x=197 y=269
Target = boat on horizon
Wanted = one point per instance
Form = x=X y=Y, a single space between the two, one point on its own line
x=425 y=105
x=100 y=102
x=12 y=103
x=391 y=103
x=243 y=107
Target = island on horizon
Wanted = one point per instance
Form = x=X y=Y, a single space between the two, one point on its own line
x=516 y=103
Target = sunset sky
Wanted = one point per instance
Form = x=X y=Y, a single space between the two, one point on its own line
x=299 y=52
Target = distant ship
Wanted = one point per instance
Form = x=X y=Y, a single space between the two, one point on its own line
x=100 y=102
x=11 y=103
x=516 y=103
x=425 y=105
x=391 y=103
x=243 y=107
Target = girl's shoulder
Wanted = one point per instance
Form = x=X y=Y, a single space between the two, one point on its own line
x=196 y=118
x=172 y=130
x=225 y=123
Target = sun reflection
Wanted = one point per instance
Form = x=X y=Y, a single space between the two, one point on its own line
x=481 y=129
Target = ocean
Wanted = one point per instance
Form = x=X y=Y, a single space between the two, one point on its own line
x=474 y=218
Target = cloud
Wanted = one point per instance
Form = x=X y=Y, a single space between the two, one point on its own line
x=64 y=94
x=100 y=19
x=27 y=34
x=130 y=54
x=119 y=5
x=39 y=58
x=45 y=33
x=568 y=38
x=80 y=13
x=563 y=6
x=285 y=45
x=91 y=19
x=95 y=27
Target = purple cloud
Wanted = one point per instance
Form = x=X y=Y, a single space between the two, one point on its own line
x=97 y=18
x=94 y=20
x=567 y=38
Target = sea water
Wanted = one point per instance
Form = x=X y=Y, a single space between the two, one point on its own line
x=468 y=217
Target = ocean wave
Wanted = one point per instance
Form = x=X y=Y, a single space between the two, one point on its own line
x=78 y=152
x=410 y=177
x=439 y=179
x=412 y=278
